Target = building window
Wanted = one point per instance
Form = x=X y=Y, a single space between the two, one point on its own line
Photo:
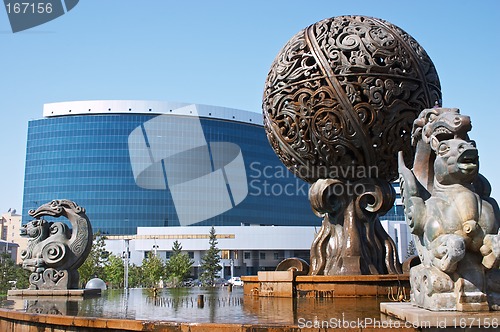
x=168 y=254
x=276 y=256
x=191 y=254
x=246 y=255
x=262 y=255
x=304 y=254
x=235 y=254
x=224 y=254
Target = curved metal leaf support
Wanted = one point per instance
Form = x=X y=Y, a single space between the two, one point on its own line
x=351 y=240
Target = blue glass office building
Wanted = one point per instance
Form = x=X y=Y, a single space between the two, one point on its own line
x=147 y=163
x=89 y=152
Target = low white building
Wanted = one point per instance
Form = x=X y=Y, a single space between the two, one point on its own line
x=400 y=233
x=10 y=248
x=245 y=250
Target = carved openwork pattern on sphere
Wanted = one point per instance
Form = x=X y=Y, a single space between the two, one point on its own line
x=344 y=92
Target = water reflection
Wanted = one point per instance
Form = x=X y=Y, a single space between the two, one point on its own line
x=292 y=311
x=220 y=306
x=52 y=307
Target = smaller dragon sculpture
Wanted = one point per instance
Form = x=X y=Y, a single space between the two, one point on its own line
x=55 y=252
x=454 y=222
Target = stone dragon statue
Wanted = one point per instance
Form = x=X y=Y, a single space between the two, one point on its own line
x=454 y=221
x=55 y=251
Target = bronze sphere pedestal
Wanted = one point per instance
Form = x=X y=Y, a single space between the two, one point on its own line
x=339 y=103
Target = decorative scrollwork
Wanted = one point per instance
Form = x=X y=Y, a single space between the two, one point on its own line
x=54 y=276
x=293 y=264
x=49 y=279
x=345 y=91
x=53 y=253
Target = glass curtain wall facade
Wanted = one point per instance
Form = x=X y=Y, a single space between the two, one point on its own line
x=86 y=158
x=92 y=160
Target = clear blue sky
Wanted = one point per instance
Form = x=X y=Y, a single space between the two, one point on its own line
x=218 y=53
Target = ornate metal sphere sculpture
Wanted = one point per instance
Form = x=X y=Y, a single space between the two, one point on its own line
x=339 y=103
x=344 y=92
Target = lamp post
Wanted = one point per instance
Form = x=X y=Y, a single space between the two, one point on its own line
x=125 y=264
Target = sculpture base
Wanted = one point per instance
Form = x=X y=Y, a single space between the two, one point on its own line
x=424 y=318
x=54 y=292
x=437 y=291
x=297 y=284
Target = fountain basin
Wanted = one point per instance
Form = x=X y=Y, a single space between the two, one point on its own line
x=297 y=284
x=54 y=292
x=177 y=310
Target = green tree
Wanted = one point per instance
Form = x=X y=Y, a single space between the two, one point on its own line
x=96 y=261
x=152 y=269
x=210 y=262
x=8 y=272
x=114 y=271
x=412 y=250
x=22 y=277
x=178 y=266
x=135 y=276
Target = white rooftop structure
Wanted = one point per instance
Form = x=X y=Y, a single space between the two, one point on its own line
x=93 y=107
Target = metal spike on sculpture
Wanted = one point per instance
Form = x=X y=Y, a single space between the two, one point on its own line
x=339 y=103
x=54 y=251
